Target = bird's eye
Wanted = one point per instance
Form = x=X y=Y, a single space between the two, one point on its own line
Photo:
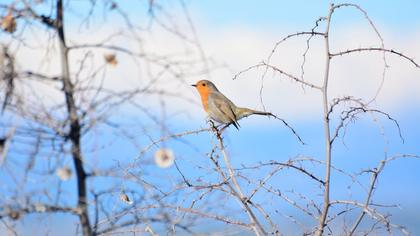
x=203 y=84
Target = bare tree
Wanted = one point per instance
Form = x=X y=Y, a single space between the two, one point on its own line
x=51 y=114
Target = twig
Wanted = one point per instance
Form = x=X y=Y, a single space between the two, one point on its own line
x=373 y=180
x=237 y=191
x=392 y=51
x=276 y=69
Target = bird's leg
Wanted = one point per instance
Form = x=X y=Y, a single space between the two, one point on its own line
x=216 y=129
x=212 y=125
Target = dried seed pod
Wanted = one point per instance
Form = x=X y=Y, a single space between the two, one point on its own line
x=164 y=158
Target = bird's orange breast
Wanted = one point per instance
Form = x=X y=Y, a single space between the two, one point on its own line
x=204 y=93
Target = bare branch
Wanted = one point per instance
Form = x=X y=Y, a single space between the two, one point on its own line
x=391 y=51
x=274 y=68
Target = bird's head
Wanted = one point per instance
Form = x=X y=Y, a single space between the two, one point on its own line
x=204 y=87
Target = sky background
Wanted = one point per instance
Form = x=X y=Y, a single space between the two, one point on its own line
x=239 y=34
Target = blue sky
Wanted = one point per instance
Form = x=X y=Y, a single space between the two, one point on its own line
x=271 y=13
x=255 y=26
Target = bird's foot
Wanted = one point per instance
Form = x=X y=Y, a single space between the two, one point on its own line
x=215 y=128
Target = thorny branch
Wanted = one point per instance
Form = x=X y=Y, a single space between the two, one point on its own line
x=353 y=111
x=373 y=181
x=276 y=69
x=236 y=189
x=391 y=51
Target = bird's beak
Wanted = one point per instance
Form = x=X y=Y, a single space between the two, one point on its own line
x=193 y=85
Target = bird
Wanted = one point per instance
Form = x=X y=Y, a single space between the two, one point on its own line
x=220 y=108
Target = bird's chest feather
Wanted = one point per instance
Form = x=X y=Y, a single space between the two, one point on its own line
x=205 y=99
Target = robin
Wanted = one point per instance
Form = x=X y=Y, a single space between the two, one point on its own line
x=220 y=108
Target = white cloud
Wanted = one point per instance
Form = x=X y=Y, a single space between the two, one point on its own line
x=241 y=47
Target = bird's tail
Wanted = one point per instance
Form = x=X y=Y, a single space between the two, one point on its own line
x=242 y=112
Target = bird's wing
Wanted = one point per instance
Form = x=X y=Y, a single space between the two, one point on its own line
x=223 y=106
